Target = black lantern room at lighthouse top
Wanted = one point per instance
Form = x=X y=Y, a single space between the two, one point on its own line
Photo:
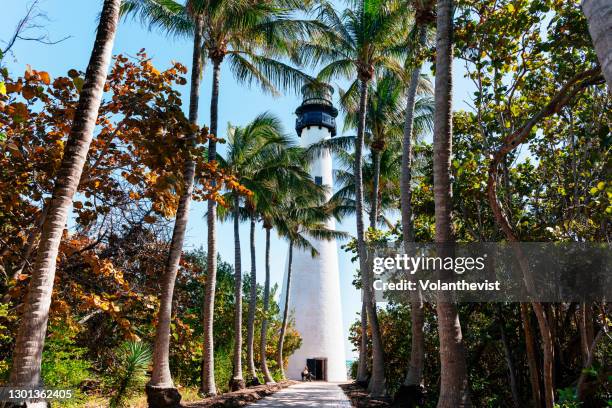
x=316 y=109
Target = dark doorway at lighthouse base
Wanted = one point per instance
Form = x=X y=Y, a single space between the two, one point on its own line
x=317 y=367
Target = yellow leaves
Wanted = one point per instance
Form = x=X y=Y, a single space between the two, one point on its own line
x=2 y=88
x=78 y=83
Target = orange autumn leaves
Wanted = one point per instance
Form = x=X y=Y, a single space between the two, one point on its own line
x=136 y=156
x=133 y=171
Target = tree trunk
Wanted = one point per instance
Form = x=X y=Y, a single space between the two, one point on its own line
x=281 y=341
x=412 y=386
x=377 y=380
x=160 y=389
x=549 y=354
x=454 y=387
x=208 y=364
x=264 y=323
x=253 y=380
x=375 y=187
x=516 y=400
x=599 y=18
x=237 y=382
x=362 y=365
x=532 y=362
x=31 y=334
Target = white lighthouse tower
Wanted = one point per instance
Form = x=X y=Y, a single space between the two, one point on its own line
x=314 y=299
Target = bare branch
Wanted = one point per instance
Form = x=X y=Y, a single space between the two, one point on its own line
x=28 y=29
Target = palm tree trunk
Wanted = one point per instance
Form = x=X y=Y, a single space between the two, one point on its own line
x=252 y=308
x=414 y=377
x=454 y=388
x=362 y=367
x=377 y=381
x=208 y=363
x=160 y=389
x=599 y=17
x=31 y=334
x=281 y=340
x=264 y=323
x=237 y=382
x=375 y=187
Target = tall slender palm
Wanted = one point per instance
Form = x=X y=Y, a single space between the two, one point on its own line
x=599 y=18
x=385 y=113
x=454 y=386
x=290 y=172
x=383 y=122
x=302 y=215
x=247 y=158
x=414 y=376
x=264 y=161
x=251 y=34
x=366 y=37
x=31 y=334
x=160 y=389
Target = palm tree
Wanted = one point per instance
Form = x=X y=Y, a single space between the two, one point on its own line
x=289 y=173
x=302 y=215
x=247 y=150
x=366 y=36
x=454 y=387
x=160 y=389
x=383 y=122
x=384 y=117
x=32 y=329
x=262 y=158
x=251 y=34
x=413 y=381
x=599 y=18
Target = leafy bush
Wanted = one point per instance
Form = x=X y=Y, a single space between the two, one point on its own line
x=63 y=363
x=130 y=376
x=354 y=369
x=223 y=368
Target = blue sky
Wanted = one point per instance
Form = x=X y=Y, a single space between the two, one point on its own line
x=237 y=104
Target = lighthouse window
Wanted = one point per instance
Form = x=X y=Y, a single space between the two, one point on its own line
x=318 y=180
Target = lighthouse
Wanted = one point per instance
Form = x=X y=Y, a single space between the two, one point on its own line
x=314 y=299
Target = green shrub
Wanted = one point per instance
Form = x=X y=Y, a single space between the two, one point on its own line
x=354 y=369
x=223 y=369
x=64 y=365
x=130 y=375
